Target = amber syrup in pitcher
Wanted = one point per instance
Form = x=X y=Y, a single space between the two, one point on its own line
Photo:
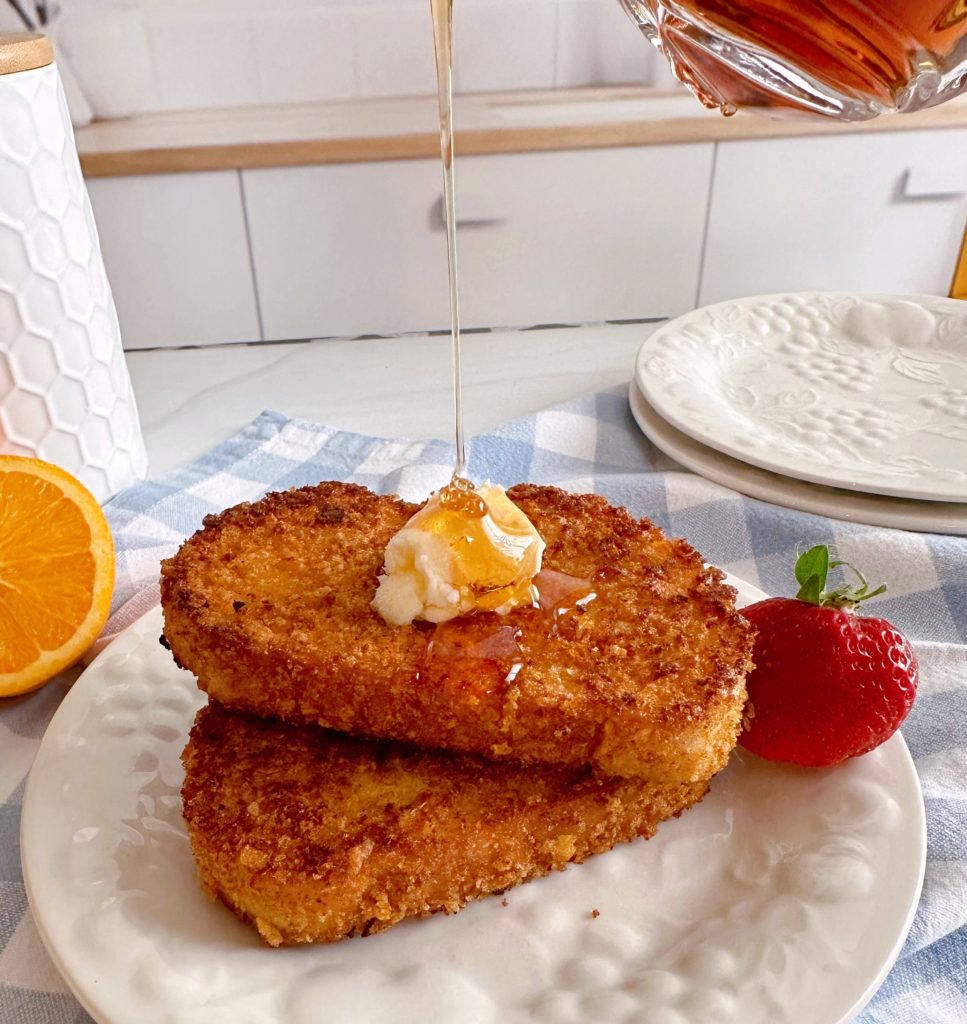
x=843 y=58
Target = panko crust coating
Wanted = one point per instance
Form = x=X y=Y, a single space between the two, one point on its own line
x=269 y=605
x=313 y=836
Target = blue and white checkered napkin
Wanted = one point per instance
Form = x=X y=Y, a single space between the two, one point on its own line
x=589 y=444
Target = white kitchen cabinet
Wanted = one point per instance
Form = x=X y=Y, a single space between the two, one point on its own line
x=545 y=238
x=177 y=256
x=878 y=213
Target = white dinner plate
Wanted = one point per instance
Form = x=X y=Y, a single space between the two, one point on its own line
x=866 y=393
x=947 y=517
x=783 y=898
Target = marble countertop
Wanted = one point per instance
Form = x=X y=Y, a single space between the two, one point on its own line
x=190 y=399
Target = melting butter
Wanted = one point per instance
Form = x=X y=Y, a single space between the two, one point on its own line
x=468 y=549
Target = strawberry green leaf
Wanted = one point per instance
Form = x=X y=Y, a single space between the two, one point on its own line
x=811 y=591
x=812 y=571
x=812 y=568
x=814 y=562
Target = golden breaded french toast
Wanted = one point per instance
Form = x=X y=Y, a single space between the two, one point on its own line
x=634 y=664
x=313 y=836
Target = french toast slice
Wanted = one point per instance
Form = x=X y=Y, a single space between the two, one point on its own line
x=313 y=836
x=269 y=606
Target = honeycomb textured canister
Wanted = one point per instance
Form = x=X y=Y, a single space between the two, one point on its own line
x=65 y=392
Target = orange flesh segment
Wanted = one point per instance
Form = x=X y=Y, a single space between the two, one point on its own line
x=56 y=572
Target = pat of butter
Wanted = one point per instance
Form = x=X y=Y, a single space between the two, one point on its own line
x=468 y=549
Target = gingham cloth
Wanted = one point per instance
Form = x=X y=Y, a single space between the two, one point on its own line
x=588 y=444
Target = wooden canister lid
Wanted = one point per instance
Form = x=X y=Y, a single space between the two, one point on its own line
x=24 y=51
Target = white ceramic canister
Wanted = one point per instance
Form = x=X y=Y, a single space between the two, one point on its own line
x=65 y=392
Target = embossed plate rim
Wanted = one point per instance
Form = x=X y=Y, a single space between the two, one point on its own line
x=108 y=990
x=837 y=503
x=816 y=467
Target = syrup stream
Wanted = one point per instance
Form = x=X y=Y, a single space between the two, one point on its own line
x=442 y=12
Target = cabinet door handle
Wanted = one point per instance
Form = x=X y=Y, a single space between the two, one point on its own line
x=475 y=215
x=939 y=181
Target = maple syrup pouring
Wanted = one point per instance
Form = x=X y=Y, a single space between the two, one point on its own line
x=478 y=639
x=442 y=12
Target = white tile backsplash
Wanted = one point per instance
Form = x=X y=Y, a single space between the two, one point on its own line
x=394 y=49
x=598 y=45
x=307 y=55
x=9 y=22
x=110 y=51
x=203 y=60
x=243 y=52
x=504 y=44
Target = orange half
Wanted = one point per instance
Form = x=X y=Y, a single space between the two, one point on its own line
x=56 y=572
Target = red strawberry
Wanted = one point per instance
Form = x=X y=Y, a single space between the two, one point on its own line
x=828 y=683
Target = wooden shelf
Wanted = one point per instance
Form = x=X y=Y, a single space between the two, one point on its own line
x=405 y=128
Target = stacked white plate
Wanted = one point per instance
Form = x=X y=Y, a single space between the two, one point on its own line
x=849 y=406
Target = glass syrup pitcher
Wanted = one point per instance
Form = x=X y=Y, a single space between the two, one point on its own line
x=840 y=58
